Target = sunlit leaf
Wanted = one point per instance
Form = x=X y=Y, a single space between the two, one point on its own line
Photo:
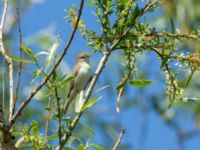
x=28 y=51
x=96 y=146
x=66 y=80
x=189 y=79
x=35 y=127
x=81 y=147
x=21 y=60
x=52 y=137
x=187 y=99
x=41 y=53
x=52 y=55
x=140 y=83
x=90 y=103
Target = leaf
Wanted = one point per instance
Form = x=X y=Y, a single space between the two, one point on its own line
x=90 y=103
x=186 y=99
x=91 y=3
x=90 y=130
x=21 y=60
x=34 y=127
x=73 y=138
x=96 y=146
x=140 y=83
x=66 y=80
x=164 y=60
x=28 y=51
x=41 y=53
x=52 y=137
x=81 y=147
x=101 y=89
x=135 y=13
x=52 y=55
x=172 y=25
x=189 y=79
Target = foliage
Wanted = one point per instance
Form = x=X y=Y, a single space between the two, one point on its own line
x=123 y=28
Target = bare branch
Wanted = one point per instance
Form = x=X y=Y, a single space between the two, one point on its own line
x=7 y=58
x=117 y=143
x=59 y=115
x=4 y=13
x=20 y=63
x=28 y=99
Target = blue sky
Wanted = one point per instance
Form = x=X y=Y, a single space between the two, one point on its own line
x=50 y=16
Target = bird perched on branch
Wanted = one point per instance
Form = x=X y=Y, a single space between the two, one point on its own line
x=82 y=74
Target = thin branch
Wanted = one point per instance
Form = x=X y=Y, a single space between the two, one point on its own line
x=4 y=14
x=20 y=63
x=28 y=99
x=117 y=143
x=59 y=115
x=48 y=116
x=153 y=35
x=145 y=46
x=7 y=58
x=3 y=86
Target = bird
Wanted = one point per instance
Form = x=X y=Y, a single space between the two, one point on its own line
x=82 y=74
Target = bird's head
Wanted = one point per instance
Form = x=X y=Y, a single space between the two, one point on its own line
x=84 y=57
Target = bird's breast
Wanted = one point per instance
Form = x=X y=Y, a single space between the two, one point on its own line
x=84 y=75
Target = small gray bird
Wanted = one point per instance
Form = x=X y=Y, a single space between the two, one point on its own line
x=82 y=74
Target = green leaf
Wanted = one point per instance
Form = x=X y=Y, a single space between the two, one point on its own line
x=21 y=60
x=90 y=103
x=34 y=127
x=164 y=60
x=52 y=137
x=81 y=147
x=186 y=99
x=135 y=13
x=92 y=3
x=189 y=79
x=28 y=51
x=172 y=24
x=140 y=83
x=66 y=80
x=41 y=53
x=97 y=147
x=52 y=55
x=88 y=128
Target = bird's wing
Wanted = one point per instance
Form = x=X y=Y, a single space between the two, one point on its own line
x=74 y=74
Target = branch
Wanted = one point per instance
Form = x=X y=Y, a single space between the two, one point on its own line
x=7 y=58
x=34 y=92
x=59 y=115
x=154 y=35
x=117 y=143
x=20 y=63
x=4 y=14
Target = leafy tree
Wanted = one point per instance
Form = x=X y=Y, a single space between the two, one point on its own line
x=126 y=29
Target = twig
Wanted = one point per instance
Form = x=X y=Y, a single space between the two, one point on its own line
x=4 y=14
x=98 y=71
x=117 y=143
x=20 y=63
x=48 y=117
x=7 y=58
x=59 y=115
x=3 y=87
x=28 y=99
